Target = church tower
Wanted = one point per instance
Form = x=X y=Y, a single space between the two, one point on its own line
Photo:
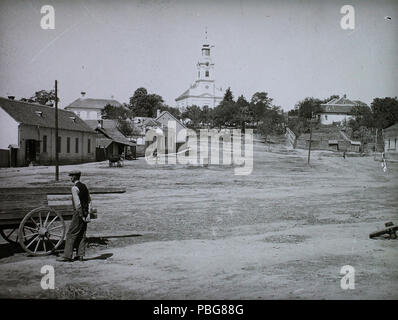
x=203 y=92
x=205 y=65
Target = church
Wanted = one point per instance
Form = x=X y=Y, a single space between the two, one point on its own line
x=203 y=92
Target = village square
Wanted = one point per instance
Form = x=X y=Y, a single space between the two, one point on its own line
x=219 y=192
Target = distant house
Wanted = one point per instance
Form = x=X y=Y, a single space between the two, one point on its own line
x=27 y=135
x=90 y=109
x=390 y=142
x=164 y=118
x=110 y=141
x=143 y=124
x=338 y=110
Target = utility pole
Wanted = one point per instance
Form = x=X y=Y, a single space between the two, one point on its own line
x=309 y=144
x=56 y=132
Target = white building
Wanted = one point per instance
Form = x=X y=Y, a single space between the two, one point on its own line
x=338 y=110
x=203 y=92
x=90 y=109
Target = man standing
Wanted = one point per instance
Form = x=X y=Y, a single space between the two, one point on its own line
x=76 y=235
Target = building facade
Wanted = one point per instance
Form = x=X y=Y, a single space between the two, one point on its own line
x=27 y=135
x=338 y=110
x=90 y=109
x=203 y=92
x=390 y=135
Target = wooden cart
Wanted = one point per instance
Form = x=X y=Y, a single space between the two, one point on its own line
x=28 y=216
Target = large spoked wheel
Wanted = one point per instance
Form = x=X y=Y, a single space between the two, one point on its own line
x=10 y=235
x=41 y=231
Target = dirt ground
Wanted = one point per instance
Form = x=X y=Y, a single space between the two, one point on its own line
x=184 y=232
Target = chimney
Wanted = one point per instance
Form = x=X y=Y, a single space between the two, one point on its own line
x=11 y=97
x=157 y=113
x=83 y=94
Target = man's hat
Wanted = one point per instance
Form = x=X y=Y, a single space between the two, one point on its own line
x=75 y=173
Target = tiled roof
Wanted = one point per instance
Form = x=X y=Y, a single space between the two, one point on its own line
x=109 y=130
x=44 y=116
x=341 y=105
x=92 y=103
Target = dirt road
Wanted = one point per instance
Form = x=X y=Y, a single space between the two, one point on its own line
x=184 y=232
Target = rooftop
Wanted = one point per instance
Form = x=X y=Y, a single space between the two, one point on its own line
x=43 y=116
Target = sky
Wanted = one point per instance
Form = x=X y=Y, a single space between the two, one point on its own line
x=290 y=49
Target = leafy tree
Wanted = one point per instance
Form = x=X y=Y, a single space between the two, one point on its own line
x=194 y=114
x=114 y=112
x=228 y=96
x=385 y=112
x=206 y=116
x=143 y=104
x=259 y=104
x=127 y=128
x=42 y=97
x=309 y=107
x=243 y=114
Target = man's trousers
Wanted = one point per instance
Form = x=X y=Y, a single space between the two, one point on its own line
x=76 y=237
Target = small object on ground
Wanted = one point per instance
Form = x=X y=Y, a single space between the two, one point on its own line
x=390 y=232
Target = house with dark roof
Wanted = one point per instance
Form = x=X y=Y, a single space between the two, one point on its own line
x=390 y=136
x=90 y=109
x=110 y=141
x=338 y=110
x=165 y=119
x=27 y=135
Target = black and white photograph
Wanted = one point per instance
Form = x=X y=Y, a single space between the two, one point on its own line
x=177 y=150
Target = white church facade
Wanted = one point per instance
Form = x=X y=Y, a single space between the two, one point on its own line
x=203 y=92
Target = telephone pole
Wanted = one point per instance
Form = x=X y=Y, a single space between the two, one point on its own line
x=56 y=133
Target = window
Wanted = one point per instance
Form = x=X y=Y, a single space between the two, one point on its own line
x=207 y=74
x=59 y=145
x=198 y=74
x=44 y=143
x=88 y=145
x=67 y=145
x=77 y=145
x=326 y=116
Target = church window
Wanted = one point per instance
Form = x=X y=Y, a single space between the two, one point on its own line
x=207 y=73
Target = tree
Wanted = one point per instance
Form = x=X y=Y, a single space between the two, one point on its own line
x=385 y=112
x=259 y=104
x=143 y=104
x=127 y=127
x=309 y=107
x=228 y=96
x=193 y=113
x=272 y=122
x=42 y=97
x=114 y=112
x=243 y=113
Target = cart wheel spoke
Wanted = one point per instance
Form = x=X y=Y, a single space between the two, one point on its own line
x=40 y=238
x=48 y=215
x=30 y=228
x=37 y=244
x=32 y=241
x=55 y=228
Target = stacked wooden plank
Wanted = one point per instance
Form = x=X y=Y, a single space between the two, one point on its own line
x=15 y=203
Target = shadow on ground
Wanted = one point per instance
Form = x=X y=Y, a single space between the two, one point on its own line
x=10 y=249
